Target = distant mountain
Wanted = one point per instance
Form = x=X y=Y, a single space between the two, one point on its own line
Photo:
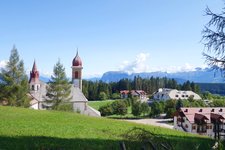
x=113 y=76
x=93 y=79
x=207 y=75
x=44 y=79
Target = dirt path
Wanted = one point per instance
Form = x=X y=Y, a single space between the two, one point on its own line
x=154 y=122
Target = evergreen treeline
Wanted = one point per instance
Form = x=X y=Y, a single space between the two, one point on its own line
x=94 y=90
x=214 y=88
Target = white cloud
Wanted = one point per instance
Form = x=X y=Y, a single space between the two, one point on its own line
x=186 y=68
x=3 y=63
x=136 y=66
x=140 y=65
x=46 y=73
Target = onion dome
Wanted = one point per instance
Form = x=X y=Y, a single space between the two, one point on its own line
x=77 y=60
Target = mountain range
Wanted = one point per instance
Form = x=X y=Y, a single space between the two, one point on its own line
x=199 y=75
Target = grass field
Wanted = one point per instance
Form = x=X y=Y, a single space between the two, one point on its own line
x=97 y=104
x=22 y=128
x=129 y=115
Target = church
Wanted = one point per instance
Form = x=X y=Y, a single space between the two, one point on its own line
x=79 y=101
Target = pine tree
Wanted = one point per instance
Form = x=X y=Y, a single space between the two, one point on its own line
x=14 y=81
x=59 y=88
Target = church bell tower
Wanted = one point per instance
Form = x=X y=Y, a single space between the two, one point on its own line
x=34 y=79
x=77 y=71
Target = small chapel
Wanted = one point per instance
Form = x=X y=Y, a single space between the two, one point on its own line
x=78 y=100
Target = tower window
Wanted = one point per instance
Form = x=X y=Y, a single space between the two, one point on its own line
x=76 y=74
x=32 y=88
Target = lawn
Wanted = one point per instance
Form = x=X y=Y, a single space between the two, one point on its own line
x=97 y=104
x=22 y=128
x=129 y=115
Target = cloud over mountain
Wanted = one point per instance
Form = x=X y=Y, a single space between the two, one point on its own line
x=141 y=64
x=136 y=66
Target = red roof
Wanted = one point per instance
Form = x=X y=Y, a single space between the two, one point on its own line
x=133 y=92
x=77 y=60
x=208 y=112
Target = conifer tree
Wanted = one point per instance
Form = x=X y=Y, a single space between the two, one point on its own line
x=59 y=88
x=14 y=81
x=214 y=40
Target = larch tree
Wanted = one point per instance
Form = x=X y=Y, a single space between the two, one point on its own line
x=14 y=81
x=59 y=88
x=214 y=40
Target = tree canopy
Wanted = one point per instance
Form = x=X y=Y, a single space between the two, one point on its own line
x=14 y=82
x=59 y=88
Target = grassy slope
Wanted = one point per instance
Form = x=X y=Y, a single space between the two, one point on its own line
x=34 y=129
x=97 y=104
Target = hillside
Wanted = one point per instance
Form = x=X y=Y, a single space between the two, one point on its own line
x=34 y=129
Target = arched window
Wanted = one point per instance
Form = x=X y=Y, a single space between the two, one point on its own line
x=32 y=88
x=76 y=75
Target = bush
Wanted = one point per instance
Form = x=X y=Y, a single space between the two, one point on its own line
x=218 y=103
x=115 y=96
x=106 y=110
x=102 y=96
x=136 y=108
x=139 y=108
x=157 y=108
x=145 y=109
x=170 y=112
x=65 y=107
x=119 y=107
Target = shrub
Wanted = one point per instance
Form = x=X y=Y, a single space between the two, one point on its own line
x=65 y=107
x=170 y=112
x=115 y=96
x=106 y=110
x=157 y=108
x=136 y=108
x=102 y=96
x=119 y=107
x=139 y=108
x=145 y=109
x=218 y=103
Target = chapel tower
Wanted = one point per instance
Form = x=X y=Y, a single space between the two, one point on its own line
x=77 y=71
x=34 y=79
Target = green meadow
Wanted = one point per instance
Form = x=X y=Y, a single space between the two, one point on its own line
x=22 y=128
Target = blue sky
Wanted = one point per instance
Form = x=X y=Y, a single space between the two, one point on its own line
x=111 y=35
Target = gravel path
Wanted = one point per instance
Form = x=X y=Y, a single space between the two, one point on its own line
x=154 y=122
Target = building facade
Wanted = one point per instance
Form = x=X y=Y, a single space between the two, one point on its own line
x=203 y=121
x=166 y=94
x=79 y=101
x=140 y=94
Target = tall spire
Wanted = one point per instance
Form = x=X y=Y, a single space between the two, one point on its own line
x=34 y=67
x=34 y=74
x=77 y=52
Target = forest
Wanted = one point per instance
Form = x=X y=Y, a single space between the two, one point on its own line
x=214 y=88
